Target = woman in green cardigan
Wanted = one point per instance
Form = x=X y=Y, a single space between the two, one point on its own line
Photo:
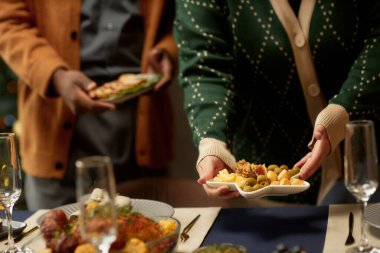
x=246 y=86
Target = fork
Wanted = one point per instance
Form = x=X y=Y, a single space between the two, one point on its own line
x=184 y=235
x=350 y=239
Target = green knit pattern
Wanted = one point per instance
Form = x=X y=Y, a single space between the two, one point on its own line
x=241 y=84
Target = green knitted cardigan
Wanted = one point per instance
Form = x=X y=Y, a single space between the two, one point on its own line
x=241 y=85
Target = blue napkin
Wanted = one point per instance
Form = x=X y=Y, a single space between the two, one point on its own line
x=18 y=215
x=260 y=230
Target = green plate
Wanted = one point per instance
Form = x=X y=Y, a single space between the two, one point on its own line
x=128 y=94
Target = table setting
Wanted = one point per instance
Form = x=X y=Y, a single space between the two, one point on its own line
x=197 y=233
x=315 y=229
x=103 y=221
x=93 y=223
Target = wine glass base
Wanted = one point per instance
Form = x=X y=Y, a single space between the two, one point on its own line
x=18 y=250
x=368 y=249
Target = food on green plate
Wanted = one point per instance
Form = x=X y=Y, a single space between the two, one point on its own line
x=125 y=84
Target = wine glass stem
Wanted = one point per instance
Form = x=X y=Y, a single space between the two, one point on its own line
x=8 y=210
x=363 y=238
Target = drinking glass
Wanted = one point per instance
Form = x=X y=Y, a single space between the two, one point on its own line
x=361 y=168
x=10 y=182
x=94 y=174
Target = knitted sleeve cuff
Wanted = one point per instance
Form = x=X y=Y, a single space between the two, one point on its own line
x=213 y=147
x=334 y=118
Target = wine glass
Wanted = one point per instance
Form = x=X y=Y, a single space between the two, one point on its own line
x=10 y=183
x=361 y=168
x=95 y=181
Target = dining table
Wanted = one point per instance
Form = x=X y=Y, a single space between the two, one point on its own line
x=315 y=229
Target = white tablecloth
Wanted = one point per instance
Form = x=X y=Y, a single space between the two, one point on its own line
x=337 y=229
x=200 y=228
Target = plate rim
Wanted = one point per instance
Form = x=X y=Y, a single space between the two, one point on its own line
x=126 y=97
x=16 y=231
x=68 y=209
x=370 y=207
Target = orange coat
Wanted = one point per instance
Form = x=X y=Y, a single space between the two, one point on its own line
x=39 y=36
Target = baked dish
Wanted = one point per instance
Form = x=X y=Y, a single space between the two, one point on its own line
x=136 y=232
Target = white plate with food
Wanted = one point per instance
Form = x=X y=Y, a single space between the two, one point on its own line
x=372 y=215
x=126 y=87
x=257 y=180
x=147 y=207
x=270 y=190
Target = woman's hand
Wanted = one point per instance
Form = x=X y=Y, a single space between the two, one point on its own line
x=73 y=87
x=311 y=162
x=208 y=168
x=160 y=62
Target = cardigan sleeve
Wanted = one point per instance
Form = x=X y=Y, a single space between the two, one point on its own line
x=359 y=95
x=21 y=46
x=360 y=92
x=205 y=62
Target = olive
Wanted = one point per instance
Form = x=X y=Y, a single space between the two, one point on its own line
x=296 y=170
x=261 y=178
x=277 y=170
x=251 y=181
x=264 y=183
x=272 y=166
x=256 y=187
x=247 y=188
x=284 y=167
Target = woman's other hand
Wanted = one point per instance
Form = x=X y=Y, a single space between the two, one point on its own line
x=207 y=169
x=160 y=62
x=311 y=162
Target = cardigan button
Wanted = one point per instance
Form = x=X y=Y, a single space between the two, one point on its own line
x=299 y=40
x=67 y=125
x=58 y=165
x=74 y=35
x=313 y=90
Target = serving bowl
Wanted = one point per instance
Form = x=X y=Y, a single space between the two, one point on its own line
x=168 y=242
x=221 y=248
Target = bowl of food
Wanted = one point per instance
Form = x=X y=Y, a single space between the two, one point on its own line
x=136 y=233
x=221 y=248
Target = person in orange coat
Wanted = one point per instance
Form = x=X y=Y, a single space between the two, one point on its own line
x=62 y=49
